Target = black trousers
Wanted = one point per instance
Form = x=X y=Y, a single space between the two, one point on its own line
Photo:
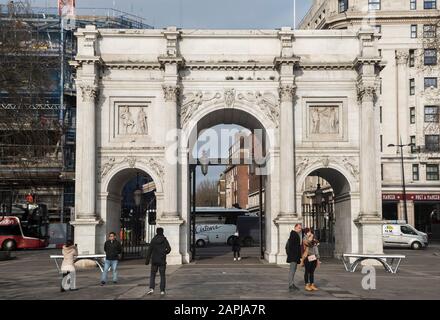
x=237 y=253
x=153 y=273
x=309 y=273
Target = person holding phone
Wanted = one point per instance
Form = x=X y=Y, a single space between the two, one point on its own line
x=113 y=250
x=68 y=267
x=310 y=259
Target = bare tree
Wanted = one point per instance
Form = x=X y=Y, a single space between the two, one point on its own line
x=207 y=194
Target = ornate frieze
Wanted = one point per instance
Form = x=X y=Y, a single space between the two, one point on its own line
x=267 y=103
x=109 y=163
x=351 y=164
x=192 y=102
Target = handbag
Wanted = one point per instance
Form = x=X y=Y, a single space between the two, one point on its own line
x=312 y=258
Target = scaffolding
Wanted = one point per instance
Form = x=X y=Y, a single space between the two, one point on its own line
x=24 y=163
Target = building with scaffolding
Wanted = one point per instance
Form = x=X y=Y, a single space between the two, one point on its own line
x=37 y=130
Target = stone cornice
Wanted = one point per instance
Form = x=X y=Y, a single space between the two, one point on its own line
x=287 y=60
x=171 y=60
x=383 y=17
x=326 y=66
x=232 y=65
x=133 y=66
x=80 y=60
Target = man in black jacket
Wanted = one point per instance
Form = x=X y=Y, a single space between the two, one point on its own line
x=113 y=249
x=157 y=253
x=293 y=251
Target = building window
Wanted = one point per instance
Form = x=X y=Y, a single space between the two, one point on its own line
x=415 y=172
x=412 y=57
x=413 y=142
x=432 y=142
x=412 y=115
x=381 y=171
x=430 y=82
x=373 y=4
x=429 y=31
x=343 y=5
x=413 y=31
x=432 y=172
x=430 y=4
x=431 y=114
x=413 y=4
x=381 y=143
x=412 y=87
x=430 y=57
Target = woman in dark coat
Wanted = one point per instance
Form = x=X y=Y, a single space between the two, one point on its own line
x=236 y=247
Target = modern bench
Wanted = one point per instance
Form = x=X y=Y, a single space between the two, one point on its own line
x=98 y=258
x=391 y=262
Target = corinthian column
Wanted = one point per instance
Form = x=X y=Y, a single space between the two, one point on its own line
x=86 y=151
x=171 y=95
x=287 y=170
x=368 y=152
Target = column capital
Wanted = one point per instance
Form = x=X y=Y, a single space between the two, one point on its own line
x=89 y=92
x=171 y=92
x=366 y=91
x=402 y=57
x=287 y=92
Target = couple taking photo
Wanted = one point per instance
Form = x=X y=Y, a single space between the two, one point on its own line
x=302 y=250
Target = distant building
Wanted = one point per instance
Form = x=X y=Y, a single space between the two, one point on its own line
x=408 y=100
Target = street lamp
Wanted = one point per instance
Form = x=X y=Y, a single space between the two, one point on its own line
x=403 y=173
x=204 y=162
x=137 y=194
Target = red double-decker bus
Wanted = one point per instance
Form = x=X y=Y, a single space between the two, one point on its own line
x=26 y=228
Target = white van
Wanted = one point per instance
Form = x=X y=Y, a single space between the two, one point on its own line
x=217 y=233
x=401 y=234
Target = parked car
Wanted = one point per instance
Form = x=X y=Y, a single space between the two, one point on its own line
x=248 y=228
x=202 y=240
x=217 y=233
x=400 y=234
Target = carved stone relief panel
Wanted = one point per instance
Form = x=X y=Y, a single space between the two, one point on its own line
x=325 y=120
x=132 y=120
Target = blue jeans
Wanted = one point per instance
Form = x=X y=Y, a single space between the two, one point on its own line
x=114 y=265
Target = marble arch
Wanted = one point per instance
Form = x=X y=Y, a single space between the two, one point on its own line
x=314 y=90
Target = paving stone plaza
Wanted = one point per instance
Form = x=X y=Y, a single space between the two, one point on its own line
x=32 y=275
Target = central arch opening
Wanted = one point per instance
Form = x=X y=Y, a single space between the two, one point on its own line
x=228 y=156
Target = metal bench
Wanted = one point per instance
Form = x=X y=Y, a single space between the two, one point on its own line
x=98 y=258
x=391 y=262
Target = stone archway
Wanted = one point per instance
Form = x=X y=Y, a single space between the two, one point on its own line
x=241 y=114
x=346 y=203
x=109 y=199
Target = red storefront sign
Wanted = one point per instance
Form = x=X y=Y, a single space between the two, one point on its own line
x=411 y=197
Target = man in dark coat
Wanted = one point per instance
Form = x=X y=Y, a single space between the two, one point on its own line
x=113 y=249
x=293 y=251
x=157 y=254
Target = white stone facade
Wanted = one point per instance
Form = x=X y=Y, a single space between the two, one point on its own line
x=401 y=25
x=313 y=92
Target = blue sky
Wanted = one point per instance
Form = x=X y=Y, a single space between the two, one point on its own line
x=212 y=14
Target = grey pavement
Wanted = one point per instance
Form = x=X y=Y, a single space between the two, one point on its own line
x=214 y=275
